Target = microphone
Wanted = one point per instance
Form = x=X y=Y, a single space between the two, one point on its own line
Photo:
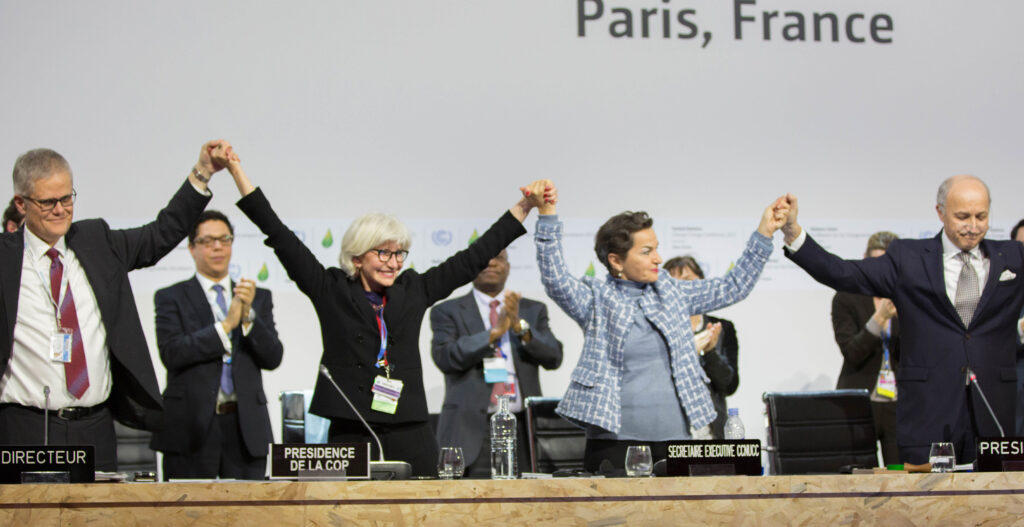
x=380 y=469
x=380 y=448
x=972 y=378
x=46 y=415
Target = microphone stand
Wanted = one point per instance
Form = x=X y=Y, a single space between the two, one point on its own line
x=380 y=469
x=972 y=378
x=46 y=415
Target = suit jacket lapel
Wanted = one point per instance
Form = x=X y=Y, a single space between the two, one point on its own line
x=996 y=263
x=934 y=268
x=358 y=298
x=471 y=314
x=197 y=297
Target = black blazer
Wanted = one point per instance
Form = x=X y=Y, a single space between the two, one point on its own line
x=862 y=351
x=348 y=327
x=936 y=348
x=192 y=352
x=106 y=256
x=459 y=346
x=722 y=367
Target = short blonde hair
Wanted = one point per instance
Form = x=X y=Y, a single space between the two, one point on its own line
x=367 y=232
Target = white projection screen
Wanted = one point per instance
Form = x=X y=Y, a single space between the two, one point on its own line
x=700 y=112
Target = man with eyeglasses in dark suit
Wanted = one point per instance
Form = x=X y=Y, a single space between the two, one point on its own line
x=215 y=337
x=72 y=341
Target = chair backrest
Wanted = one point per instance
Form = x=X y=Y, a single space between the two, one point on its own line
x=133 y=452
x=297 y=424
x=293 y=416
x=554 y=443
x=819 y=432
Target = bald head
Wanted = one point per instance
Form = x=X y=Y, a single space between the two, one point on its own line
x=972 y=182
x=963 y=205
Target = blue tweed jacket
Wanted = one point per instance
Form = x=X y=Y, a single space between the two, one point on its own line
x=605 y=315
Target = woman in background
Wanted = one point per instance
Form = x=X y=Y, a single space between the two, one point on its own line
x=716 y=344
x=868 y=333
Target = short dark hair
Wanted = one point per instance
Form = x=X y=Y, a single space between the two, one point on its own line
x=11 y=213
x=681 y=262
x=208 y=215
x=616 y=235
x=1013 y=232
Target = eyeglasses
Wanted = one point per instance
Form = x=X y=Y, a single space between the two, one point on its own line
x=385 y=255
x=210 y=241
x=46 y=205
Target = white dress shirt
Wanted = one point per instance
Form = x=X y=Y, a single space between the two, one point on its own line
x=951 y=266
x=211 y=297
x=30 y=367
x=218 y=316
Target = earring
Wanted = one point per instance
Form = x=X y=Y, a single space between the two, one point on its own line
x=622 y=274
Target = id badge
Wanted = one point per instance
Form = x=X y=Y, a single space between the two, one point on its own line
x=494 y=370
x=885 y=389
x=385 y=394
x=60 y=345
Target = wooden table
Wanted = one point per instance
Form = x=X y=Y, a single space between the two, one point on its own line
x=886 y=499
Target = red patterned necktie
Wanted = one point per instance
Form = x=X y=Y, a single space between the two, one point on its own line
x=76 y=374
x=499 y=387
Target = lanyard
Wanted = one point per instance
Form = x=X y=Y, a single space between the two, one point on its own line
x=382 y=355
x=886 y=337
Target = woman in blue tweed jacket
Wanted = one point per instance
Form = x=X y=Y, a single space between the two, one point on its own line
x=639 y=380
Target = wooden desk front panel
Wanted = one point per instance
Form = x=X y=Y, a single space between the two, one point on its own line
x=890 y=499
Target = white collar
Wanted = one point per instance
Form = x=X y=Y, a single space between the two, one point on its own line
x=485 y=300
x=207 y=284
x=950 y=251
x=38 y=247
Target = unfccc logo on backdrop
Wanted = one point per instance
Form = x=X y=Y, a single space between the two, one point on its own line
x=441 y=237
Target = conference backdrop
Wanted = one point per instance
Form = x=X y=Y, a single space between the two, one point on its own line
x=700 y=112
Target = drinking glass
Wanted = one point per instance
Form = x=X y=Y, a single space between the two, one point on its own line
x=942 y=457
x=450 y=463
x=638 y=461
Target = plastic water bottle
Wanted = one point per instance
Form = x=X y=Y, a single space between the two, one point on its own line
x=734 y=425
x=503 y=442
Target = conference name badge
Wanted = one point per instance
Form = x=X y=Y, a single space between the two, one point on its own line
x=60 y=345
x=494 y=370
x=886 y=386
x=385 y=394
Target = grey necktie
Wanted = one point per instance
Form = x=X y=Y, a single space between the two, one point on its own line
x=967 y=291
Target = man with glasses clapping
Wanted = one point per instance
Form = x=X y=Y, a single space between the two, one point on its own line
x=215 y=337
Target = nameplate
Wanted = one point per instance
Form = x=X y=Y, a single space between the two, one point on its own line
x=716 y=457
x=323 y=461
x=78 y=461
x=1000 y=454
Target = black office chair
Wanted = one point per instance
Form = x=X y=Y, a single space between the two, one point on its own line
x=133 y=452
x=555 y=444
x=293 y=416
x=819 y=432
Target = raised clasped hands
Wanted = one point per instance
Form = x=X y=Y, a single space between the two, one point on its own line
x=791 y=229
x=213 y=157
x=540 y=194
x=774 y=217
